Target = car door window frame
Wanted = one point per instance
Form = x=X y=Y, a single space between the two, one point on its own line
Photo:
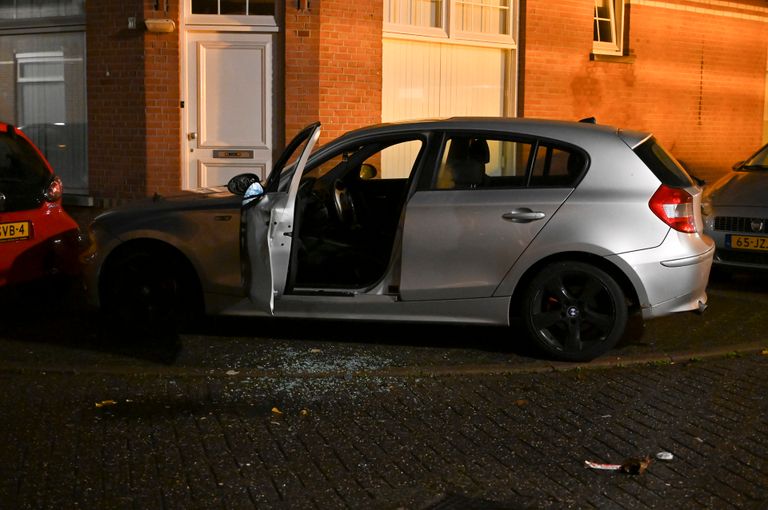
x=360 y=149
x=428 y=182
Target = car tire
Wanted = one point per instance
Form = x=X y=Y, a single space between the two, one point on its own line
x=149 y=289
x=574 y=311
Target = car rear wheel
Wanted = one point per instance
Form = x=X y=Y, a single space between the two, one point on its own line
x=149 y=288
x=574 y=311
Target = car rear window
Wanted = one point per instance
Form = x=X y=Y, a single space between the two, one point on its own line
x=23 y=173
x=663 y=164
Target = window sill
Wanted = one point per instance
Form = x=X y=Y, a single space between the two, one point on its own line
x=616 y=59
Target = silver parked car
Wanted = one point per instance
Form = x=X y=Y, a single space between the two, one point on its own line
x=736 y=214
x=569 y=226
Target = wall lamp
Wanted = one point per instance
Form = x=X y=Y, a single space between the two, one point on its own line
x=161 y=25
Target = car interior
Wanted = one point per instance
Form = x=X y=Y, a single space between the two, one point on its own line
x=347 y=217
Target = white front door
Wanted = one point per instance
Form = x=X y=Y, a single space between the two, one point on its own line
x=228 y=107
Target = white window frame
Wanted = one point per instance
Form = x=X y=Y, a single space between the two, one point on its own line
x=617 y=13
x=458 y=33
x=45 y=57
x=266 y=22
x=450 y=26
x=403 y=28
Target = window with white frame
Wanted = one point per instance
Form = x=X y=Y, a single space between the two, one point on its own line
x=484 y=19
x=416 y=13
x=231 y=12
x=481 y=20
x=608 y=31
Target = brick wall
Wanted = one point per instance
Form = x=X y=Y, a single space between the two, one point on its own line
x=697 y=80
x=133 y=101
x=302 y=68
x=333 y=65
x=162 y=82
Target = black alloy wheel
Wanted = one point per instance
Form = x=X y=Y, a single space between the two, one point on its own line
x=574 y=311
x=148 y=289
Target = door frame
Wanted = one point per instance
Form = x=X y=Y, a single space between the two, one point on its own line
x=187 y=25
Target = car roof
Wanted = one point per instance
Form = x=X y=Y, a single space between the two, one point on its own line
x=535 y=127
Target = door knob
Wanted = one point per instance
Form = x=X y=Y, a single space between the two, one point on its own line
x=191 y=136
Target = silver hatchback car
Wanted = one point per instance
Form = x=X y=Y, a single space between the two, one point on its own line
x=568 y=226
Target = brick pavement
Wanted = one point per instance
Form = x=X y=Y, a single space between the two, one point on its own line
x=375 y=441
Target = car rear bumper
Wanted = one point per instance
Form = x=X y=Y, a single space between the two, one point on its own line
x=673 y=276
x=52 y=251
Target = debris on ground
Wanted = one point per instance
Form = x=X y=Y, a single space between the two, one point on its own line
x=106 y=403
x=665 y=456
x=631 y=466
x=636 y=466
x=276 y=411
x=602 y=467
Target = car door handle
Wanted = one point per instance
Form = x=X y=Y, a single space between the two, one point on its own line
x=523 y=215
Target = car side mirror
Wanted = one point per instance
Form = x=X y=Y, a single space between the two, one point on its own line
x=368 y=171
x=238 y=184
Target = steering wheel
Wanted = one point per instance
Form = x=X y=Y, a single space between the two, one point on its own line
x=343 y=202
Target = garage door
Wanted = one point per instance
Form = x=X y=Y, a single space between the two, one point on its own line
x=425 y=80
x=429 y=80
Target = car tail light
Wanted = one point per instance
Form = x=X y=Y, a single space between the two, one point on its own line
x=674 y=206
x=54 y=190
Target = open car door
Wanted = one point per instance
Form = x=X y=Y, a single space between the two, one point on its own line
x=266 y=228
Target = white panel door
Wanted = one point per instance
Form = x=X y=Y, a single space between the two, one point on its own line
x=228 y=123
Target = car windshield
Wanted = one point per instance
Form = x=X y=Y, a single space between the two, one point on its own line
x=757 y=162
x=21 y=168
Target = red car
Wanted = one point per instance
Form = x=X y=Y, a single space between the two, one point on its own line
x=37 y=238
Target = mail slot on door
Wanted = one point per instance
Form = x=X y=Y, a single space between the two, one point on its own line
x=225 y=154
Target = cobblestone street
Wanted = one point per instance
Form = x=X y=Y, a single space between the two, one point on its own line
x=166 y=440
x=292 y=414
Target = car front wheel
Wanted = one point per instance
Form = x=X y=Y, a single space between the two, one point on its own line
x=148 y=288
x=574 y=311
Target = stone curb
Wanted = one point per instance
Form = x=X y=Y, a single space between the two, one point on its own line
x=533 y=367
